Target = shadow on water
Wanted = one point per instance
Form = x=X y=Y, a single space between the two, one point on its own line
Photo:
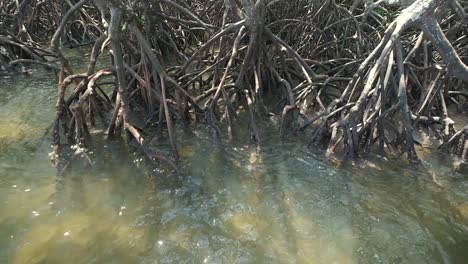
x=231 y=204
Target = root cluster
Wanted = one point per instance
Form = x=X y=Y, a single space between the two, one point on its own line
x=353 y=76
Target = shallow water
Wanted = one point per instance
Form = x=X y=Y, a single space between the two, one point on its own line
x=230 y=204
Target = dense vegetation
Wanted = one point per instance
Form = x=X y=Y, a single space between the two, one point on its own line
x=352 y=77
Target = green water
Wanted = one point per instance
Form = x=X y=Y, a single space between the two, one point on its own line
x=229 y=204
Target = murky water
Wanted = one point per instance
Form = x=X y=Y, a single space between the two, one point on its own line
x=231 y=204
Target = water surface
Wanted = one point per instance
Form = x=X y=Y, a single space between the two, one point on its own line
x=229 y=204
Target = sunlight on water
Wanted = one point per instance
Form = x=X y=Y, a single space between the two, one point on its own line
x=281 y=203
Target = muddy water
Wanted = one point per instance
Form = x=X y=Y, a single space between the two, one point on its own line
x=231 y=204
